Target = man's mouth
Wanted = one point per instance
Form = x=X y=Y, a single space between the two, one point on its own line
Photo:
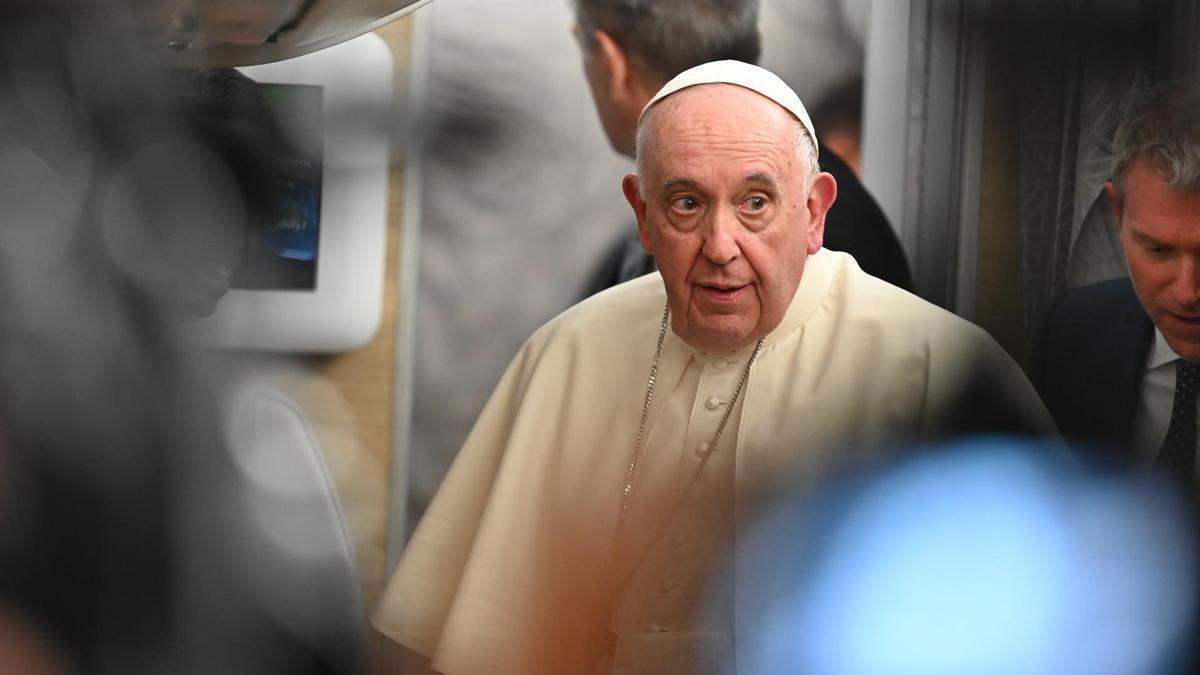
x=1191 y=320
x=723 y=292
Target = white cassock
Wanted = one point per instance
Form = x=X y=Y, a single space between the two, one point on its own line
x=518 y=565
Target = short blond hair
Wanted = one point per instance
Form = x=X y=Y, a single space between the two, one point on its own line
x=1162 y=127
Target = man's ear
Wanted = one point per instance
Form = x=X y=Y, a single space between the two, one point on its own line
x=820 y=198
x=613 y=61
x=629 y=185
x=627 y=86
x=1114 y=201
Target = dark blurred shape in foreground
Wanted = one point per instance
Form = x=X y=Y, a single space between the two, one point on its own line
x=240 y=32
x=986 y=557
x=134 y=537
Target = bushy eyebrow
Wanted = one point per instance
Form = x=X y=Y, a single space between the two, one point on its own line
x=676 y=183
x=761 y=178
x=688 y=183
x=1144 y=238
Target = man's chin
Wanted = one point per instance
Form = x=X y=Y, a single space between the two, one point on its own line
x=715 y=338
x=1186 y=345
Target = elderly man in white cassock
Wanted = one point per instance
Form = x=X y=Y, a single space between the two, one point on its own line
x=603 y=480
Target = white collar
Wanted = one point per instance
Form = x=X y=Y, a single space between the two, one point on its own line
x=1161 y=353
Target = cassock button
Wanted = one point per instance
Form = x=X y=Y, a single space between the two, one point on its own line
x=720 y=364
x=712 y=403
x=703 y=450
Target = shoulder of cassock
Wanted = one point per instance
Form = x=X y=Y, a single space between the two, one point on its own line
x=527 y=498
x=870 y=364
x=539 y=476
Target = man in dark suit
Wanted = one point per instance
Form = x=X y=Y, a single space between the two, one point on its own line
x=631 y=49
x=1119 y=361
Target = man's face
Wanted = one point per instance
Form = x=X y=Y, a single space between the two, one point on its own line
x=1160 y=232
x=726 y=214
x=174 y=220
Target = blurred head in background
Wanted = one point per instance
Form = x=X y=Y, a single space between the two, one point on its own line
x=179 y=207
x=631 y=48
x=1155 y=195
x=839 y=117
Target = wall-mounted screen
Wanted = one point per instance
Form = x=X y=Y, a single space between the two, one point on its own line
x=311 y=278
x=284 y=255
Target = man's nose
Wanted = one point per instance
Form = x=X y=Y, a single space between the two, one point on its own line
x=720 y=241
x=1187 y=282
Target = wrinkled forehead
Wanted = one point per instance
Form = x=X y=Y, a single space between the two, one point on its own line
x=719 y=133
x=716 y=114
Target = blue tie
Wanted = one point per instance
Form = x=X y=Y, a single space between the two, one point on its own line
x=1178 y=453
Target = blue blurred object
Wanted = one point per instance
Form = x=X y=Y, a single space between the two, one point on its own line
x=992 y=556
x=294 y=234
x=294 y=230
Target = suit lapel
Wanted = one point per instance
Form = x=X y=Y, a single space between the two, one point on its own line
x=1132 y=335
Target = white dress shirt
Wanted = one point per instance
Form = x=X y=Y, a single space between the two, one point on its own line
x=1158 y=395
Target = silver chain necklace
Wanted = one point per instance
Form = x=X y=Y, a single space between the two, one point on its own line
x=712 y=444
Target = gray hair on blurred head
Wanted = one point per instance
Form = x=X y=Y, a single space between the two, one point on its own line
x=666 y=37
x=1162 y=127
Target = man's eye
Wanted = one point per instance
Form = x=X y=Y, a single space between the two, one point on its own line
x=756 y=203
x=685 y=204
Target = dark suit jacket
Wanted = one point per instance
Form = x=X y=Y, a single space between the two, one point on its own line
x=1090 y=361
x=855 y=224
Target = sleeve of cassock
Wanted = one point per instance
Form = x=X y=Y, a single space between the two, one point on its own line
x=498 y=578
x=417 y=601
x=977 y=388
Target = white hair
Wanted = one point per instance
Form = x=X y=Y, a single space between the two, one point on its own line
x=1163 y=127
